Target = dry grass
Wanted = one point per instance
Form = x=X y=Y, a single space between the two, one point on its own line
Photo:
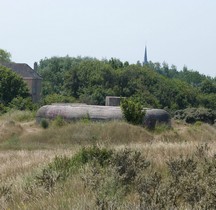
x=14 y=163
x=26 y=148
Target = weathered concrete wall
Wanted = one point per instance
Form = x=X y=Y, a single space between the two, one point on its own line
x=113 y=101
x=34 y=86
x=36 y=90
x=79 y=111
x=156 y=116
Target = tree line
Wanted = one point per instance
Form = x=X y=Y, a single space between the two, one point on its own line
x=89 y=80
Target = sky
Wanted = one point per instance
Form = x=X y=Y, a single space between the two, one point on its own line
x=178 y=32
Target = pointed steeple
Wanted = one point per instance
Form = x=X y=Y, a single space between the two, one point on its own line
x=145 y=57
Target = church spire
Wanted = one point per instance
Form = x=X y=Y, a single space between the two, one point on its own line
x=145 y=57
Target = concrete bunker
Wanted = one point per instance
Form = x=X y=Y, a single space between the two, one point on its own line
x=154 y=117
x=73 y=112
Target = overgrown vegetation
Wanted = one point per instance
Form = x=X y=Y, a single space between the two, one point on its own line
x=19 y=116
x=44 y=123
x=192 y=115
x=132 y=111
x=90 y=80
x=113 y=177
x=112 y=165
x=12 y=86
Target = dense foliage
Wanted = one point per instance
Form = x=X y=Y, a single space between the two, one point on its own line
x=133 y=111
x=5 y=56
x=11 y=86
x=192 y=115
x=90 y=80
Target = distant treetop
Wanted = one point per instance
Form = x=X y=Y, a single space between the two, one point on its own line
x=5 y=56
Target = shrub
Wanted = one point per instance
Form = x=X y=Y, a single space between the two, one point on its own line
x=132 y=111
x=62 y=167
x=58 y=121
x=20 y=103
x=111 y=182
x=198 y=123
x=128 y=164
x=86 y=119
x=88 y=154
x=3 y=109
x=48 y=179
x=44 y=123
x=12 y=86
x=191 y=115
x=116 y=179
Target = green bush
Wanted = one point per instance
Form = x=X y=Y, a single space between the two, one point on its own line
x=44 y=123
x=11 y=86
x=132 y=111
x=20 y=103
x=3 y=109
x=88 y=154
x=198 y=123
x=62 y=167
x=59 y=121
x=192 y=115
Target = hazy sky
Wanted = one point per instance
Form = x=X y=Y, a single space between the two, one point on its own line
x=179 y=32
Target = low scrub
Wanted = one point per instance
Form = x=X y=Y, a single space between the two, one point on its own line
x=192 y=115
x=44 y=123
x=122 y=179
x=19 y=116
x=20 y=103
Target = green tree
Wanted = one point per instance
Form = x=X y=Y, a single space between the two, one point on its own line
x=55 y=70
x=11 y=86
x=116 y=63
x=5 y=56
x=207 y=86
x=90 y=80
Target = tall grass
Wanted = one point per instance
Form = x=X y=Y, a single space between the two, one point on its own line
x=120 y=179
x=82 y=133
x=19 y=116
x=37 y=165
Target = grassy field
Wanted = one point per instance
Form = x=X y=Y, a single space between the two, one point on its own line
x=112 y=165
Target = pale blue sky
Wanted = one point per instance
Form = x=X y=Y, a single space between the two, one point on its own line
x=179 y=32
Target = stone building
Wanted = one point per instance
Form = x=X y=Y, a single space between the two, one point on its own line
x=30 y=76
